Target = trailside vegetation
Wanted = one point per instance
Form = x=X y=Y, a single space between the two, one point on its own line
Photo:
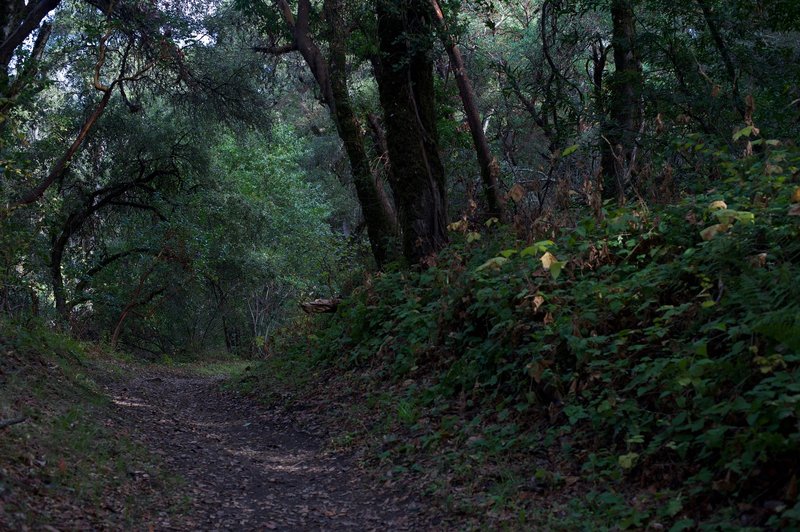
x=632 y=371
x=550 y=246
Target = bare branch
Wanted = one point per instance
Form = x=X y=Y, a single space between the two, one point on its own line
x=276 y=50
x=8 y=422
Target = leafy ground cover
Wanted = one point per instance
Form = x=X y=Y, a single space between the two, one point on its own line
x=109 y=444
x=65 y=464
x=633 y=370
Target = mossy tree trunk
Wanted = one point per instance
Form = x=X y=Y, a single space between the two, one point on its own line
x=331 y=76
x=406 y=89
x=378 y=210
x=624 y=115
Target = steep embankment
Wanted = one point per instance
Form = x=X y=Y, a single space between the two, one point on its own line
x=635 y=370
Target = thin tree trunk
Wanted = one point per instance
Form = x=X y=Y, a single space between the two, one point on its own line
x=713 y=27
x=490 y=169
x=382 y=226
x=60 y=166
x=56 y=257
x=134 y=301
x=382 y=150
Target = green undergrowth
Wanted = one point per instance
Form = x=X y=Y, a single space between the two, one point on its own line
x=281 y=379
x=635 y=371
x=64 y=465
x=209 y=364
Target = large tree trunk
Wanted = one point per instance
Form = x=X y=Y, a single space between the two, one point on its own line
x=407 y=98
x=382 y=226
x=17 y=21
x=621 y=128
x=490 y=170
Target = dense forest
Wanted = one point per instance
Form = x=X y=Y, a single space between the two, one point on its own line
x=533 y=264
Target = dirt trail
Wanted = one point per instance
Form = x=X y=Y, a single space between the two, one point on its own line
x=246 y=469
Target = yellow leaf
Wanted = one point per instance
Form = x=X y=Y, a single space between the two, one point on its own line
x=796 y=195
x=547 y=260
x=516 y=193
x=717 y=205
x=627 y=461
x=710 y=232
x=458 y=226
x=746 y=132
x=495 y=264
x=569 y=151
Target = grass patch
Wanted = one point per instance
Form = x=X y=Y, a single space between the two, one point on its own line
x=222 y=368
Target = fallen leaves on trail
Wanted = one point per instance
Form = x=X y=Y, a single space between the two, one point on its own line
x=248 y=468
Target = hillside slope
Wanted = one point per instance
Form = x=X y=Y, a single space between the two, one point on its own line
x=638 y=370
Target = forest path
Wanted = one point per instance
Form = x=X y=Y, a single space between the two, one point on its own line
x=247 y=469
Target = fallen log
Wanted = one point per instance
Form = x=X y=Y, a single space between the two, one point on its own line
x=320 y=306
x=8 y=422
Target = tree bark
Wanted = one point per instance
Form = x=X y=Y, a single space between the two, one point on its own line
x=378 y=211
x=490 y=169
x=622 y=125
x=331 y=77
x=407 y=98
x=58 y=169
x=17 y=22
x=382 y=151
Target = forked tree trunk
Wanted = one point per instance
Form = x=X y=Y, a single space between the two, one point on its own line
x=624 y=117
x=407 y=98
x=331 y=77
x=379 y=213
